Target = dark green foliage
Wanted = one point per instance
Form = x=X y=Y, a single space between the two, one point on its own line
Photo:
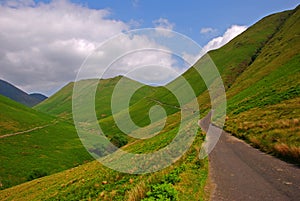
x=36 y=173
x=173 y=177
x=119 y=140
x=162 y=192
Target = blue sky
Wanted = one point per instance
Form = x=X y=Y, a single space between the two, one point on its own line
x=44 y=43
x=190 y=16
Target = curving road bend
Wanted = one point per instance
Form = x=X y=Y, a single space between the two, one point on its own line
x=240 y=172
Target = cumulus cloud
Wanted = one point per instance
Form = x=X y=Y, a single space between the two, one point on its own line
x=44 y=44
x=138 y=52
x=163 y=23
x=230 y=33
x=217 y=42
x=207 y=30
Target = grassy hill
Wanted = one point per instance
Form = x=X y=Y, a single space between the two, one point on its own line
x=260 y=69
x=12 y=117
x=34 y=144
x=263 y=102
x=186 y=180
x=95 y=181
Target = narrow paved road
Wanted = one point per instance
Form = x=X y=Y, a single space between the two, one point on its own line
x=240 y=172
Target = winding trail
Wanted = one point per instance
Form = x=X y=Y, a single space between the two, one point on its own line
x=240 y=172
x=27 y=131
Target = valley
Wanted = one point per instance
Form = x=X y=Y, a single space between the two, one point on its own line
x=42 y=157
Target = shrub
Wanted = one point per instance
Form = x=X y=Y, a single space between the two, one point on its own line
x=162 y=192
x=173 y=176
x=36 y=173
x=119 y=140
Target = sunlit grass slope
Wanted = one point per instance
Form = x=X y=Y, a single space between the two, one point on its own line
x=260 y=71
x=15 y=117
x=92 y=181
x=266 y=95
x=40 y=144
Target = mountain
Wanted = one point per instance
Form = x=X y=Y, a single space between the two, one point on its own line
x=16 y=94
x=261 y=74
x=40 y=97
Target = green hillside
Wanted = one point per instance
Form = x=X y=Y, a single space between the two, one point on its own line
x=263 y=102
x=94 y=181
x=260 y=69
x=12 y=117
x=33 y=144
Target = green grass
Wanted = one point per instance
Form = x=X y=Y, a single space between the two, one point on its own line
x=92 y=181
x=50 y=149
x=274 y=129
x=12 y=117
x=263 y=102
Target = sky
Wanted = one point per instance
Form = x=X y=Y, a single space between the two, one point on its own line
x=43 y=43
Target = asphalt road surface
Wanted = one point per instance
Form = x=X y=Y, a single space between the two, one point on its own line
x=240 y=172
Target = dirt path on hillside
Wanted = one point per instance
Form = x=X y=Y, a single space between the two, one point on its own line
x=27 y=131
x=240 y=172
x=161 y=103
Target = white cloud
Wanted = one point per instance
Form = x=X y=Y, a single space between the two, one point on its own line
x=207 y=30
x=217 y=42
x=138 y=51
x=44 y=44
x=230 y=33
x=163 y=23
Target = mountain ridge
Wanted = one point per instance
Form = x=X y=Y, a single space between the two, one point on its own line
x=9 y=90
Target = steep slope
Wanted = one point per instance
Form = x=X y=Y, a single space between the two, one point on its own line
x=33 y=144
x=264 y=101
x=260 y=69
x=237 y=55
x=16 y=94
x=12 y=117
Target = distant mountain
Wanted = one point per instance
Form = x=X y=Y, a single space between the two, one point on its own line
x=16 y=94
x=38 y=96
